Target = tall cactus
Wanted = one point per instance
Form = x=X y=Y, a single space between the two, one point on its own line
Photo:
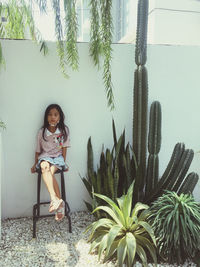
x=140 y=102
x=174 y=175
x=154 y=144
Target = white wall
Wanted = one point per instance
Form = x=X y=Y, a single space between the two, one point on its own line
x=174 y=22
x=31 y=82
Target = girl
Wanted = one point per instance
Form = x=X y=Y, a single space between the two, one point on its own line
x=50 y=155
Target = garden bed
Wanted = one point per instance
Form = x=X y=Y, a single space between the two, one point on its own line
x=54 y=246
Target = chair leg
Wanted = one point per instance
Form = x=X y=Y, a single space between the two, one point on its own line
x=34 y=220
x=63 y=194
x=38 y=193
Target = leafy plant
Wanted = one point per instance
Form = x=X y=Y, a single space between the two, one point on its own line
x=176 y=223
x=113 y=175
x=125 y=233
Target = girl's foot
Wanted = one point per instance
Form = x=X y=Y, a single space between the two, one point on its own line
x=60 y=212
x=55 y=204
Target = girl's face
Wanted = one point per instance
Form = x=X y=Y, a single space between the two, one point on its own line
x=53 y=117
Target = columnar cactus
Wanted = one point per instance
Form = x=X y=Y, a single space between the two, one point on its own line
x=140 y=102
x=174 y=176
x=154 y=144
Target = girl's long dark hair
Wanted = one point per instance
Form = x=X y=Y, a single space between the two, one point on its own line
x=61 y=125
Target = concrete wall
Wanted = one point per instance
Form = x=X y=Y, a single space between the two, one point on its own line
x=174 y=22
x=31 y=82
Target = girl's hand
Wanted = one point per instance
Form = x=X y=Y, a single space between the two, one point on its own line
x=33 y=169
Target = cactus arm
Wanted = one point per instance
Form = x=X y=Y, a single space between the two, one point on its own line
x=154 y=143
x=154 y=138
x=171 y=168
x=181 y=170
x=189 y=183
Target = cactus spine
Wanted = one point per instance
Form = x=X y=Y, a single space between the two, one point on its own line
x=140 y=101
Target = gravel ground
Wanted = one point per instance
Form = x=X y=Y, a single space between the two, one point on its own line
x=54 y=245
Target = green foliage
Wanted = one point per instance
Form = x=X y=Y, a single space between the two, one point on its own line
x=125 y=233
x=114 y=173
x=95 y=35
x=176 y=223
x=18 y=20
x=71 y=25
x=106 y=34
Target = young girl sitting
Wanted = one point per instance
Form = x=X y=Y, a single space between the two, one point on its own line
x=52 y=143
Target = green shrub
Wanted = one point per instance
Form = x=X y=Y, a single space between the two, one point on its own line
x=123 y=234
x=176 y=223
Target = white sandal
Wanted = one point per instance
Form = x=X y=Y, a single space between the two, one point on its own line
x=55 y=204
x=61 y=211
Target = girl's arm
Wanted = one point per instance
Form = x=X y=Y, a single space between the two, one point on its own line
x=64 y=152
x=33 y=169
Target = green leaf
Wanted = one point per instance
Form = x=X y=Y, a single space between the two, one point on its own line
x=113 y=233
x=131 y=247
x=102 y=245
x=96 y=243
x=149 y=230
x=144 y=242
x=141 y=253
x=111 y=213
x=138 y=206
x=113 y=205
x=121 y=251
x=97 y=224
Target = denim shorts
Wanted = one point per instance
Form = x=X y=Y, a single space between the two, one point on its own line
x=57 y=161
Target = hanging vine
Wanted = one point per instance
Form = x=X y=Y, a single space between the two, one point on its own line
x=106 y=33
x=19 y=17
x=59 y=35
x=71 y=26
x=95 y=35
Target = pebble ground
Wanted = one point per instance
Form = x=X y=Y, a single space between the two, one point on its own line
x=54 y=245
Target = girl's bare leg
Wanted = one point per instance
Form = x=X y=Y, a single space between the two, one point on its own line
x=59 y=215
x=55 y=184
x=48 y=179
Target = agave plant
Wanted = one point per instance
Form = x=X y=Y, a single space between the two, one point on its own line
x=125 y=233
x=176 y=223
